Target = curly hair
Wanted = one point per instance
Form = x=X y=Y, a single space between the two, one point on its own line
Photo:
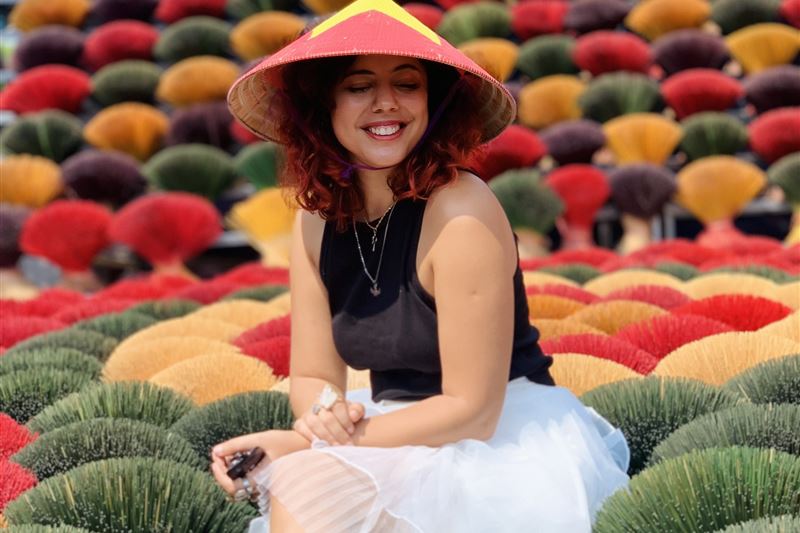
x=314 y=158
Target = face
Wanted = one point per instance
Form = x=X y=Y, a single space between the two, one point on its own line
x=381 y=109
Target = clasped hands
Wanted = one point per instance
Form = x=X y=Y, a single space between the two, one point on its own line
x=335 y=426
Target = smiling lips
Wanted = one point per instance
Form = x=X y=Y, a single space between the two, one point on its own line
x=384 y=131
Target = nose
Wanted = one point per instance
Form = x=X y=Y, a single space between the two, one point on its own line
x=385 y=99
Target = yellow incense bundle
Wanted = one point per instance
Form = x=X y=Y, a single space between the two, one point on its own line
x=722 y=283
x=551 y=328
x=614 y=315
x=622 y=279
x=186 y=326
x=718 y=358
x=496 y=56
x=549 y=100
x=245 y=313
x=266 y=219
x=581 y=373
x=146 y=359
x=208 y=378
x=642 y=138
x=789 y=327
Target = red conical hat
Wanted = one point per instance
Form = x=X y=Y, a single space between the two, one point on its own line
x=365 y=27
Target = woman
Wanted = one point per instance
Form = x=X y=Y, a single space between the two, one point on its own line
x=404 y=263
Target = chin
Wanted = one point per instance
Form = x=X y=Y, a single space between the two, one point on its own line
x=385 y=160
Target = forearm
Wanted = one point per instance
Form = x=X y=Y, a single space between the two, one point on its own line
x=435 y=421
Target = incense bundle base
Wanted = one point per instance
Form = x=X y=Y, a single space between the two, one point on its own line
x=794 y=231
x=275 y=251
x=636 y=234
x=719 y=234
x=574 y=237
x=532 y=244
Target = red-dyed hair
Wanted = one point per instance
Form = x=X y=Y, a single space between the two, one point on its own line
x=313 y=160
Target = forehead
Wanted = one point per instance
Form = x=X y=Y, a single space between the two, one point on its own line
x=383 y=63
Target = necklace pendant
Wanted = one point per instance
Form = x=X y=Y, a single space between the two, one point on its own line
x=375 y=290
x=374 y=241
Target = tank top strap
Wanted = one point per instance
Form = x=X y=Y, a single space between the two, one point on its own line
x=324 y=251
x=416 y=212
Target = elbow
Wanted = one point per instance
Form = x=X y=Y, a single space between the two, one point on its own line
x=486 y=425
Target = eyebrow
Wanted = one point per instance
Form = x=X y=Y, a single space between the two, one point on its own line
x=399 y=67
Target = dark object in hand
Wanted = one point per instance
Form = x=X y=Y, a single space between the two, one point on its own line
x=243 y=462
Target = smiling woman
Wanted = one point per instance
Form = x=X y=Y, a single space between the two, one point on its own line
x=342 y=96
x=404 y=263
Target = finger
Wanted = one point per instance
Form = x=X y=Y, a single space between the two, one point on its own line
x=319 y=429
x=301 y=427
x=356 y=411
x=222 y=478
x=236 y=444
x=341 y=413
x=335 y=427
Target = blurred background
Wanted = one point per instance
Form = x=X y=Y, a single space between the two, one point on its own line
x=651 y=120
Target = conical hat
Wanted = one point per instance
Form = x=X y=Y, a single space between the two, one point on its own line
x=365 y=27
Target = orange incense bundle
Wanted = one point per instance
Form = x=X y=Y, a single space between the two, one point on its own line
x=69 y=233
x=743 y=312
x=167 y=228
x=584 y=189
x=662 y=334
x=604 y=347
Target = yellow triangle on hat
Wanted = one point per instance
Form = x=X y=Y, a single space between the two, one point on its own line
x=387 y=7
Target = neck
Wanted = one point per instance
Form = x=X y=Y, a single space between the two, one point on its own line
x=377 y=194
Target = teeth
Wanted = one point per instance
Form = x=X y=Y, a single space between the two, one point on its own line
x=385 y=130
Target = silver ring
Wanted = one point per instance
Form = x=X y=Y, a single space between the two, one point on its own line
x=315 y=409
x=241 y=495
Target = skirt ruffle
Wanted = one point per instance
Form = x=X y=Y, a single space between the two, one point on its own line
x=548 y=468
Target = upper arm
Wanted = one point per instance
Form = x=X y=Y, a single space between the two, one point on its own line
x=473 y=259
x=313 y=353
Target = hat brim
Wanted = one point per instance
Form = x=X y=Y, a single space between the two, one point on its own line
x=367 y=32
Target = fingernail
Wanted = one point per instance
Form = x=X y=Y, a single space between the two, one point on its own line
x=216 y=450
x=353 y=412
x=351 y=430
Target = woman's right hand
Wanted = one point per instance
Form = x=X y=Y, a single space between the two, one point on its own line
x=333 y=426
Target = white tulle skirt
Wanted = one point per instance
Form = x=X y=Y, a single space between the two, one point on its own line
x=548 y=468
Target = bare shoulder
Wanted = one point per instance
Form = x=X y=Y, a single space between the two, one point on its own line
x=311 y=226
x=467 y=206
x=468 y=196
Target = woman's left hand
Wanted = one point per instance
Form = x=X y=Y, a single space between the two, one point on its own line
x=275 y=443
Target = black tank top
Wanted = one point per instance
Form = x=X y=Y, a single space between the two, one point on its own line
x=394 y=335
